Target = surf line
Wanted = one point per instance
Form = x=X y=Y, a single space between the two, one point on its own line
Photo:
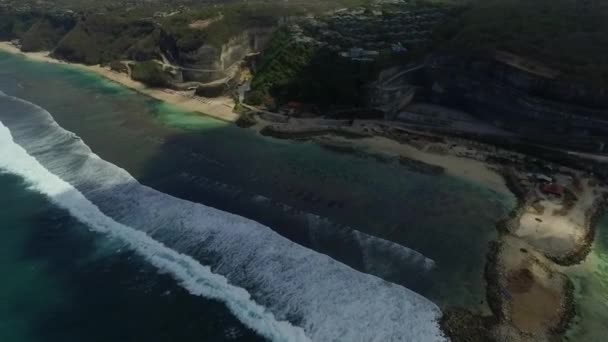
x=194 y=277
x=329 y=300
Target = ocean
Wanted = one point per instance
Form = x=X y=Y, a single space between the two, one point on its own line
x=127 y=219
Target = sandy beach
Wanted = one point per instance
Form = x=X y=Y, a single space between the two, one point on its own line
x=219 y=108
x=469 y=169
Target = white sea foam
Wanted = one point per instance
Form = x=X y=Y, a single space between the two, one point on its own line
x=196 y=278
x=329 y=300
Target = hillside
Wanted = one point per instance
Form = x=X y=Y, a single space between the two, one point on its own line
x=569 y=35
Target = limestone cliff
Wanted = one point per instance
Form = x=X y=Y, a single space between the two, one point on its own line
x=189 y=55
x=547 y=107
x=210 y=63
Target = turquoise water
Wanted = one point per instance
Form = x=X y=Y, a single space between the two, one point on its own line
x=298 y=189
x=591 y=285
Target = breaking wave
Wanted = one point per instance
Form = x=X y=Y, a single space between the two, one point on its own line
x=280 y=289
x=385 y=259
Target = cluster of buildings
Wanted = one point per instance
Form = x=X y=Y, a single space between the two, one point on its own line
x=366 y=33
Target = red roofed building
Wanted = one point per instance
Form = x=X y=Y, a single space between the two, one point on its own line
x=553 y=189
x=294 y=107
x=294 y=104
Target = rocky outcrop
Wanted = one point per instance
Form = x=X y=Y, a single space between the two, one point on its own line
x=211 y=90
x=151 y=74
x=280 y=132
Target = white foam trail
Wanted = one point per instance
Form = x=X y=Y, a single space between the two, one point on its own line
x=329 y=300
x=380 y=257
x=196 y=278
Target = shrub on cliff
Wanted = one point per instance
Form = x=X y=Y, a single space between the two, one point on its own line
x=119 y=66
x=150 y=73
x=282 y=62
x=254 y=98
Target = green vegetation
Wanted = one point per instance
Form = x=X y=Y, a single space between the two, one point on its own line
x=283 y=61
x=15 y=25
x=119 y=67
x=37 y=31
x=45 y=33
x=303 y=72
x=151 y=74
x=331 y=80
x=101 y=39
x=565 y=34
x=100 y=31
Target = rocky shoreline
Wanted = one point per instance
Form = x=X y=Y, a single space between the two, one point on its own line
x=319 y=135
x=299 y=133
x=421 y=167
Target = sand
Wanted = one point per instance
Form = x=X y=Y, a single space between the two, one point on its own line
x=464 y=168
x=459 y=166
x=534 y=293
x=554 y=234
x=219 y=108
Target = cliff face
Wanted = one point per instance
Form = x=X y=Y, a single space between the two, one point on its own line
x=548 y=109
x=210 y=63
x=252 y=40
x=552 y=88
x=101 y=39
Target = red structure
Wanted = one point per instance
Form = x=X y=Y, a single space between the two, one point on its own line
x=553 y=188
x=294 y=105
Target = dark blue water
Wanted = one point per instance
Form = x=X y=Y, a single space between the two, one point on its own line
x=62 y=282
